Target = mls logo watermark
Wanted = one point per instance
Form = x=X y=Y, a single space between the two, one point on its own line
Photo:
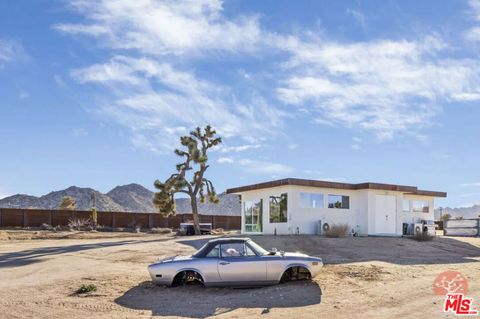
x=453 y=285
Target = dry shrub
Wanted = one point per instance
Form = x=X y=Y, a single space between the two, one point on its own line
x=160 y=230
x=80 y=224
x=83 y=289
x=337 y=230
x=218 y=231
x=422 y=236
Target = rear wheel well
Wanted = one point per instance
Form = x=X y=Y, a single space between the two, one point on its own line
x=187 y=277
x=296 y=273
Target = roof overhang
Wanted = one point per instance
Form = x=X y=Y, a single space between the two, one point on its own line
x=325 y=184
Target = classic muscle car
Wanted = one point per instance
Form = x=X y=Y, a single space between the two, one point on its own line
x=234 y=262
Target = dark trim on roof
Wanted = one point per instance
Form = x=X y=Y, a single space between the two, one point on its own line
x=325 y=184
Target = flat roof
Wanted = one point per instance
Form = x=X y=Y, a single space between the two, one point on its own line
x=325 y=184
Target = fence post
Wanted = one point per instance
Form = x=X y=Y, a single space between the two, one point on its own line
x=0 y=217
x=114 y=221
x=50 y=218
x=24 y=219
x=478 y=227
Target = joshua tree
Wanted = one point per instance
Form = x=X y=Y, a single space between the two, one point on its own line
x=196 y=185
x=446 y=216
x=67 y=203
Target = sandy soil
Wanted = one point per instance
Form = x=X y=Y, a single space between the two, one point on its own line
x=363 y=278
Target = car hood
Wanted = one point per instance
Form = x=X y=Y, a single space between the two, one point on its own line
x=174 y=258
x=295 y=255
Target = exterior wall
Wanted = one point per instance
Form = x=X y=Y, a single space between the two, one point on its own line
x=361 y=216
x=415 y=217
x=306 y=219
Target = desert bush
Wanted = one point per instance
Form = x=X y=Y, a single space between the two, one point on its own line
x=160 y=230
x=46 y=226
x=218 y=231
x=181 y=232
x=80 y=224
x=337 y=230
x=422 y=236
x=83 y=289
x=104 y=228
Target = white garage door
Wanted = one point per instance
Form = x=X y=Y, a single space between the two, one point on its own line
x=385 y=214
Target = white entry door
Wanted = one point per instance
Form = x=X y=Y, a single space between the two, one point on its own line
x=385 y=214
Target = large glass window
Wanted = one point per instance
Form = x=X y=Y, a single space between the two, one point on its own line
x=311 y=200
x=420 y=206
x=278 y=208
x=406 y=205
x=252 y=211
x=338 y=201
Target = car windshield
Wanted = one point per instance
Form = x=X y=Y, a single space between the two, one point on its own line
x=259 y=249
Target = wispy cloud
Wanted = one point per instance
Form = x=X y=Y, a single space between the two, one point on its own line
x=258 y=166
x=10 y=50
x=79 y=132
x=237 y=148
x=473 y=184
x=359 y=17
x=165 y=27
x=223 y=160
x=383 y=86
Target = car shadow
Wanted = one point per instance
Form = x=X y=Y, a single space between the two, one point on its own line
x=395 y=250
x=200 y=302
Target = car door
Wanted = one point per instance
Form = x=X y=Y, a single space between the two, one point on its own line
x=239 y=264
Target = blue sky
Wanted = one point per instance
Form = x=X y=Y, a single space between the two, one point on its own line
x=96 y=93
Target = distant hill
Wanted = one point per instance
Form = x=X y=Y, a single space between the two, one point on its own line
x=125 y=198
x=133 y=197
x=465 y=212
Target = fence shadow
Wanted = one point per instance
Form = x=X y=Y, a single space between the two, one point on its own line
x=26 y=257
x=200 y=302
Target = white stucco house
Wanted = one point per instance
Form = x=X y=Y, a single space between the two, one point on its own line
x=299 y=206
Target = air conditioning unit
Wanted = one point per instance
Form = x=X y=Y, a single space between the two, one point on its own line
x=417 y=228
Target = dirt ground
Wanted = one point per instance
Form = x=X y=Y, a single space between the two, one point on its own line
x=364 y=277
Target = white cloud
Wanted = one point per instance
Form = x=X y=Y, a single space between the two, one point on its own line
x=265 y=167
x=383 y=86
x=223 y=160
x=153 y=97
x=355 y=147
x=79 y=132
x=165 y=27
x=359 y=16
x=237 y=148
x=386 y=87
x=10 y=50
x=474 y=184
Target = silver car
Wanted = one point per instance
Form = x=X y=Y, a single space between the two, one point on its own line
x=234 y=262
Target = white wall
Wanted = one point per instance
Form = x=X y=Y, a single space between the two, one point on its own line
x=360 y=216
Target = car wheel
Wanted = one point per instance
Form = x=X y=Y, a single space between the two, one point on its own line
x=296 y=273
x=188 y=277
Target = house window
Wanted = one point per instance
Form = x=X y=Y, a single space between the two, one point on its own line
x=278 y=208
x=420 y=206
x=252 y=212
x=406 y=205
x=338 y=201
x=311 y=200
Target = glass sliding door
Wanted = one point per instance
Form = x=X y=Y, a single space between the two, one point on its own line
x=252 y=216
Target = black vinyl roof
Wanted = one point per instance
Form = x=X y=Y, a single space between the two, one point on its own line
x=212 y=243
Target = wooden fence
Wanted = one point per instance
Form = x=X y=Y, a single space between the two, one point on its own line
x=462 y=227
x=13 y=217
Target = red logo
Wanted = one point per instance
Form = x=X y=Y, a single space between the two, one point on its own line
x=459 y=305
x=450 y=282
x=453 y=285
